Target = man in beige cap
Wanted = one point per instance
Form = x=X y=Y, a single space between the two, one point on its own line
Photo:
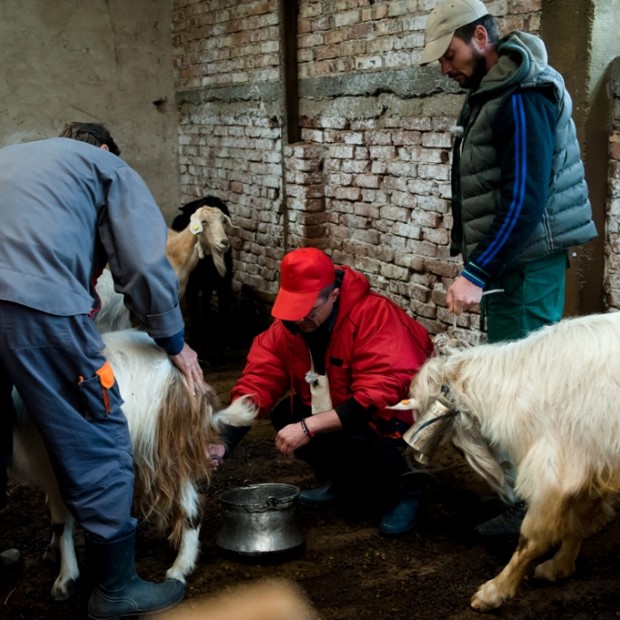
x=519 y=197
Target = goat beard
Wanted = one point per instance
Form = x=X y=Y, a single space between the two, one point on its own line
x=218 y=261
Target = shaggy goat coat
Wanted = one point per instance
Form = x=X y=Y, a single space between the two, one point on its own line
x=170 y=432
x=549 y=403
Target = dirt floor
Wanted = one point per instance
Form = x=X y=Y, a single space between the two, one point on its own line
x=346 y=569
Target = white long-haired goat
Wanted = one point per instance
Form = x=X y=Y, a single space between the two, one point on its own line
x=170 y=431
x=550 y=403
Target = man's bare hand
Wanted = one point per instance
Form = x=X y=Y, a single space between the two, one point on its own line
x=290 y=438
x=463 y=295
x=187 y=362
x=216 y=453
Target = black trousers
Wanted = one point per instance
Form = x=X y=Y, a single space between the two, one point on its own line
x=361 y=464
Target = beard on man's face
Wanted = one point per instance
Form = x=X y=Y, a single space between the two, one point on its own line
x=479 y=71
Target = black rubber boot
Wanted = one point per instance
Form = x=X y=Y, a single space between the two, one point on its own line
x=119 y=592
x=507 y=524
x=319 y=496
x=402 y=515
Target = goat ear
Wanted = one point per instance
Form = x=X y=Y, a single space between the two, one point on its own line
x=195 y=225
x=227 y=220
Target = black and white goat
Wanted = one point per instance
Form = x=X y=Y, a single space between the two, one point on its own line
x=549 y=403
x=170 y=431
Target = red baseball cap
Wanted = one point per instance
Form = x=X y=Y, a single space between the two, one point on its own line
x=304 y=273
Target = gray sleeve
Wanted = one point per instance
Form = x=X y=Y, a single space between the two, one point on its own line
x=133 y=233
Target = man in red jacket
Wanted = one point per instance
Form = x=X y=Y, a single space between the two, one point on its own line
x=343 y=354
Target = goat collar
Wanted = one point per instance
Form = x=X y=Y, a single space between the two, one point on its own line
x=443 y=407
x=446 y=399
x=426 y=434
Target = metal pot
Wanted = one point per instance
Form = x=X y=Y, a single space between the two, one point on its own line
x=260 y=519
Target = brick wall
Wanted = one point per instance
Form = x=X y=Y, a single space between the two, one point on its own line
x=612 y=245
x=341 y=36
x=226 y=66
x=383 y=195
x=368 y=181
x=224 y=42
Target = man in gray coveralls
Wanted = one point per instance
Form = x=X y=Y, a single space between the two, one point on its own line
x=69 y=205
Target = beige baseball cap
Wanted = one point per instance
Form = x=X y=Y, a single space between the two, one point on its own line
x=447 y=17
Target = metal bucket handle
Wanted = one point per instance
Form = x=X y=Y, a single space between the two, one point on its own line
x=270 y=503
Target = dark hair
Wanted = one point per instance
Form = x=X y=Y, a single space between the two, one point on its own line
x=487 y=21
x=91 y=133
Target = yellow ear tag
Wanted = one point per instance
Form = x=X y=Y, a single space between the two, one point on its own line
x=195 y=226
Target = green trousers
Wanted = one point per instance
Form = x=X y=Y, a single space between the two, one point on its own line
x=532 y=295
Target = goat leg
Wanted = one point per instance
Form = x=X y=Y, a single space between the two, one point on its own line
x=495 y=592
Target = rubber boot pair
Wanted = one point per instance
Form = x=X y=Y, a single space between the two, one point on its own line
x=118 y=591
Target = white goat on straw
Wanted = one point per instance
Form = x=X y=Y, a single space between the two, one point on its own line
x=550 y=403
x=170 y=431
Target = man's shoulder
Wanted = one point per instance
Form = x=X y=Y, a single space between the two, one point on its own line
x=377 y=304
x=65 y=151
x=275 y=333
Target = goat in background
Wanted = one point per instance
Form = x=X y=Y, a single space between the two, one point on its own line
x=204 y=236
x=550 y=403
x=207 y=279
x=170 y=431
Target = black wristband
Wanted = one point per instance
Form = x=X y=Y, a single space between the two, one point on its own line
x=305 y=429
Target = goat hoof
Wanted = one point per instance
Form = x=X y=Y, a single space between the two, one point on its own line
x=548 y=571
x=63 y=591
x=177 y=574
x=545 y=571
x=487 y=597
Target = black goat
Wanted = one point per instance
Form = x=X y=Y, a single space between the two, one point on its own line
x=204 y=281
